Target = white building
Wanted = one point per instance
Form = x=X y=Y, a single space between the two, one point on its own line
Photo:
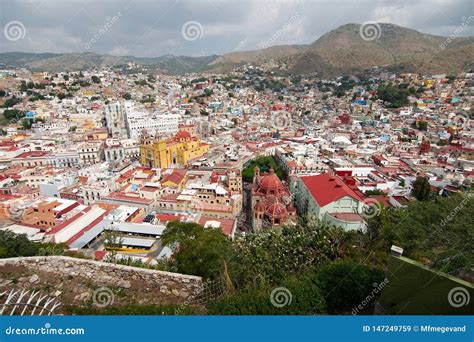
x=155 y=124
x=90 y=152
x=327 y=198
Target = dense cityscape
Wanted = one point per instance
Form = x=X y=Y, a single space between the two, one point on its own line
x=247 y=189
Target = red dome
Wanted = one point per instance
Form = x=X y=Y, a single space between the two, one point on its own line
x=183 y=134
x=270 y=199
x=277 y=211
x=271 y=184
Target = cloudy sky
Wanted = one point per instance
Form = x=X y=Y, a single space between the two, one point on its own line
x=148 y=28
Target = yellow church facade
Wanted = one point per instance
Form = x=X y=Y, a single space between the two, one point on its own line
x=178 y=150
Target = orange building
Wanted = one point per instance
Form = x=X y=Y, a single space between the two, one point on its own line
x=271 y=201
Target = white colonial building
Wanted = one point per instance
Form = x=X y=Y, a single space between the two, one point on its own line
x=327 y=198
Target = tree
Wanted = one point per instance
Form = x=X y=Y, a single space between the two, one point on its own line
x=28 y=123
x=422 y=125
x=265 y=163
x=421 y=188
x=438 y=233
x=112 y=241
x=13 y=114
x=200 y=251
x=95 y=79
x=207 y=92
x=393 y=96
x=13 y=245
x=23 y=86
x=127 y=96
x=11 y=102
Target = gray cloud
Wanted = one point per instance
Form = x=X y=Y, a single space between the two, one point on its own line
x=152 y=28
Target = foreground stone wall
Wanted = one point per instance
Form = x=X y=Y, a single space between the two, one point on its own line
x=76 y=281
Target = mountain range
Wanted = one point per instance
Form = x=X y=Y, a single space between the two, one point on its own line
x=341 y=51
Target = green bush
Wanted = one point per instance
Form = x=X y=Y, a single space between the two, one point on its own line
x=301 y=296
x=268 y=257
x=418 y=229
x=202 y=251
x=13 y=245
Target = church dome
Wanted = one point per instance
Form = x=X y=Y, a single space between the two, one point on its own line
x=183 y=134
x=271 y=184
x=270 y=199
x=276 y=211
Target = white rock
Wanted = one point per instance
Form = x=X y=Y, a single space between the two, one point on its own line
x=34 y=278
x=124 y=284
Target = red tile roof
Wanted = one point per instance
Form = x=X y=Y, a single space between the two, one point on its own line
x=169 y=217
x=226 y=225
x=327 y=188
x=176 y=176
x=32 y=154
